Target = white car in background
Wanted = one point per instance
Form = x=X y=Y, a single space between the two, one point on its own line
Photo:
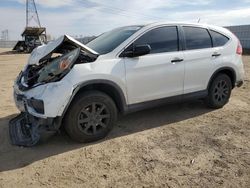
x=84 y=87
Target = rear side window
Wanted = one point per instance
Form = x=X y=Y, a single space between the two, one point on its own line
x=163 y=39
x=218 y=39
x=197 y=38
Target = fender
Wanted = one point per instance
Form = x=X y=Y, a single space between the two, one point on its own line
x=122 y=102
x=221 y=70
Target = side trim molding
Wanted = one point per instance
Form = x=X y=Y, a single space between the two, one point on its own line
x=169 y=100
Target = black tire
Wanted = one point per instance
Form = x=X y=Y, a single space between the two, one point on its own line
x=219 y=91
x=90 y=117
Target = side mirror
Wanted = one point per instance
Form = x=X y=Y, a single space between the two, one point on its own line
x=138 y=50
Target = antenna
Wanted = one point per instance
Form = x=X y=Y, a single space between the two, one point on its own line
x=199 y=20
x=31 y=13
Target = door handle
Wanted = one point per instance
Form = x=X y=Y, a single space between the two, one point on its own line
x=176 y=60
x=215 y=54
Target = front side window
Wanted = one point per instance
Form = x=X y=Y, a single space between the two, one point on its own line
x=197 y=38
x=108 y=41
x=163 y=39
x=218 y=39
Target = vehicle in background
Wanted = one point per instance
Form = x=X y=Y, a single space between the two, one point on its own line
x=32 y=37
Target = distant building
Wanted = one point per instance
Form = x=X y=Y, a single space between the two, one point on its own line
x=243 y=33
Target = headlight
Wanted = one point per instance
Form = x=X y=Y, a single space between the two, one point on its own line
x=58 y=67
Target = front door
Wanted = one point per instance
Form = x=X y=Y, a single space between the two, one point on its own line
x=159 y=74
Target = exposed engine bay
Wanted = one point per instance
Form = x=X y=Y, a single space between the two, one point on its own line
x=51 y=62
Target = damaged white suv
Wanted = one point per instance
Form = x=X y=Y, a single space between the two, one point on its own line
x=84 y=87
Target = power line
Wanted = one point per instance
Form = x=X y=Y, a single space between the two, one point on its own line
x=133 y=12
x=122 y=12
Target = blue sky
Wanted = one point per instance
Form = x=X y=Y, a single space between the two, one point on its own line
x=92 y=17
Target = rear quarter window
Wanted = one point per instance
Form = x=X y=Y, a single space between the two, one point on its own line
x=218 y=39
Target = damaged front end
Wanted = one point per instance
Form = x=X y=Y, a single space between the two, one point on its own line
x=27 y=130
x=48 y=63
x=23 y=133
x=51 y=62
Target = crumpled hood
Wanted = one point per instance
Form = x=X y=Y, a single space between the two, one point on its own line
x=44 y=50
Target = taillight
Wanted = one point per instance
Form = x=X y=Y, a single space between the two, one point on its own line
x=239 y=49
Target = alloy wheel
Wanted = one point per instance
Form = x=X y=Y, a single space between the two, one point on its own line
x=93 y=118
x=221 y=91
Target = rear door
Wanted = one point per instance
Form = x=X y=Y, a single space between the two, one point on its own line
x=199 y=58
x=159 y=74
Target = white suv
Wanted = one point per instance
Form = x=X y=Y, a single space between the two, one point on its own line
x=84 y=87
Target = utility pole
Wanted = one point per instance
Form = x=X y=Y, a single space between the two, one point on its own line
x=31 y=13
x=5 y=35
x=34 y=35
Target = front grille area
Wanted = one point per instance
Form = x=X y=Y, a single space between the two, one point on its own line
x=19 y=97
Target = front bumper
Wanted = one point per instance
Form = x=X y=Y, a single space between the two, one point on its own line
x=41 y=109
x=37 y=105
x=27 y=130
x=23 y=133
x=44 y=101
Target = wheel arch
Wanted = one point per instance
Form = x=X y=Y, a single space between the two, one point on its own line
x=106 y=86
x=229 y=71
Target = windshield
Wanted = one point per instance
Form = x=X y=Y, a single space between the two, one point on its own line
x=108 y=41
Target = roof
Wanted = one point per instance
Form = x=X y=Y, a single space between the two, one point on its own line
x=204 y=25
x=177 y=23
x=33 y=31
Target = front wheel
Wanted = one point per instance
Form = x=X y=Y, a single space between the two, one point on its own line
x=219 y=91
x=90 y=117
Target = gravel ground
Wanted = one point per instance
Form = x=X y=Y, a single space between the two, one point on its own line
x=184 y=145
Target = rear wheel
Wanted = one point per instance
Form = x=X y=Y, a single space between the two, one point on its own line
x=219 y=91
x=91 y=116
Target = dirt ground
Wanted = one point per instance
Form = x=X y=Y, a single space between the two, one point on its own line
x=183 y=145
